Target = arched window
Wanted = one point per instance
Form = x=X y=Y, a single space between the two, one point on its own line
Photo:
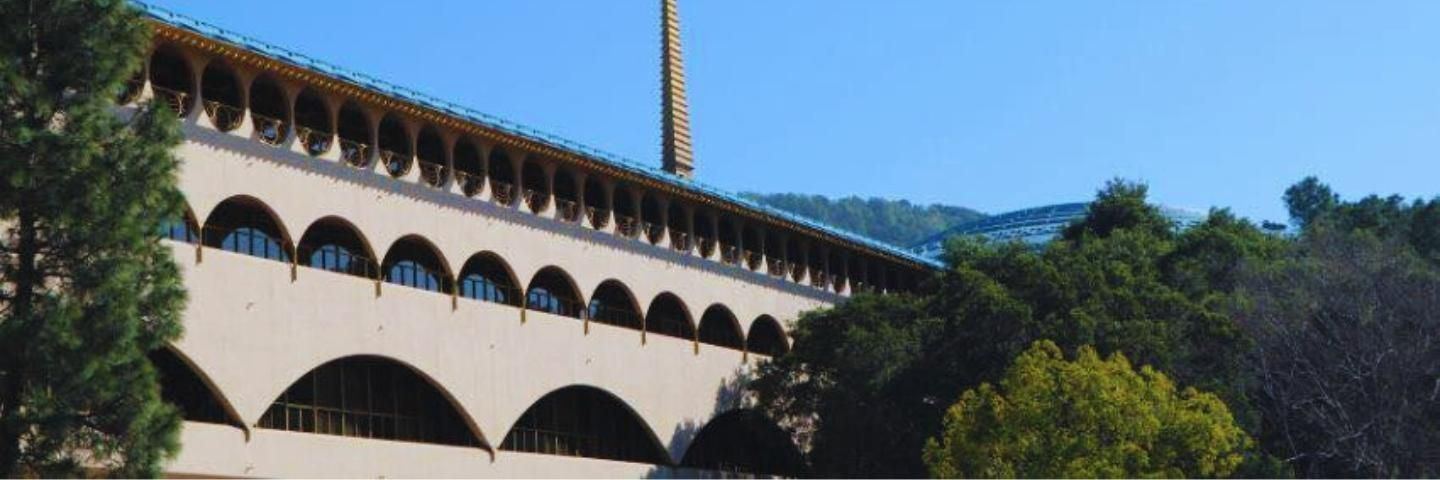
x=795 y=258
x=775 y=254
x=333 y=244
x=487 y=278
x=597 y=204
x=182 y=386
x=414 y=262
x=269 y=111
x=567 y=199
x=394 y=146
x=818 y=276
x=469 y=171
x=704 y=232
x=183 y=229
x=668 y=316
x=719 y=327
x=502 y=177
x=839 y=274
x=728 y=239
x=220 y=90
x=678 y=223
x=753 y=253
x=354 y=133
x=430 y=155
x=627 y=213
x=580 y=421
x=766 y=337
x=552 y=291
x=613 y=304
x=172 y=80
x=312 y=123
x=369 y=397
x=537 y=186
x=246 y=225
x=747 y=443
x=652 y=223
x=859 y=277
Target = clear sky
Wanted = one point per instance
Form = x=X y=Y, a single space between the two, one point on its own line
x=990 y=104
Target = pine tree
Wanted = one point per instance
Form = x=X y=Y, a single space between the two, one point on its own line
x=86 y=287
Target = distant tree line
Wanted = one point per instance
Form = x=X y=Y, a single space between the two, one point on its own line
x=1255 y=353
x=897 y=222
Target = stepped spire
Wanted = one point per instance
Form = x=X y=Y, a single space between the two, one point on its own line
x=674 y=112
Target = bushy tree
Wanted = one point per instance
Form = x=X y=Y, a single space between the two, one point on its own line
x=897 y=222
x=86 y=288
x=1053 y=418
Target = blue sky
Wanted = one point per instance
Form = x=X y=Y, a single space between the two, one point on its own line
x=994 y=105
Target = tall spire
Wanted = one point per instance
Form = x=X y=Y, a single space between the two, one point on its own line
x=674 y=112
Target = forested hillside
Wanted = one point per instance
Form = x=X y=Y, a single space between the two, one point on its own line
x=897 y=222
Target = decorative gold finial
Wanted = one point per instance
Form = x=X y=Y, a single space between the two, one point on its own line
x=675 y=113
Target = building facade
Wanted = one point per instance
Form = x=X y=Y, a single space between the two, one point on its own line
x=384 y=284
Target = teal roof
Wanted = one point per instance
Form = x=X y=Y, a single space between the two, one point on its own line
x=490 y=121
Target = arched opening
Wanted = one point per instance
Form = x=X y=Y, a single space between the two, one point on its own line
x=182 y=386
x=552 y=291
x=370 y=397
x=567 y=199
x=269 y=111
x=246 y=225
x=745 y=442
x=469 y=170
x=859 y=279
x=838 y=275
x=766 y=337
x=580 y=421
x=487 y=278
x=795 y=258
x=312 y=123
x=728 y=239
x=334 y=244
x=430 y=155
x=536 y=186
x=613 y=304
x=720 y=328
x=752 y=242
x=678 y=223
x=394 y=146
x=172 y=80
x=597 y=205
x=220 y=89
x=502 y=177
x=704 y=232
x=775 y=254
x=182 y=229
x=354 y=133
x=668 y=316
x=819 y=277
x=414 y=262
x=627 y=213
x=652 y=223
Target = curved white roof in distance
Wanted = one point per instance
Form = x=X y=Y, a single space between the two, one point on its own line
x=1035 y=225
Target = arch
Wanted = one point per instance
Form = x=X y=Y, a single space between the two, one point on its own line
x=552 y=290
x=414 y=262
x=353 y=129
x=752 y=240
x=244 y=224
x=334 y=244
x=183 y=229
x=567 y=198
x=502 y=177
x=627 y=213
x=372 y=397
x=766 y=337
x=816 y=267
x=774 y=253
x=486 y=277
x=720 y=328
x=705 y=234
x=269 y=110
x=745 y=442
x=172 y=80
x=669 y=316
x=613 y=304
x=430 y=156
x=312 y=122
x=597 y=203
x=220 y=91
x=469 y=169
x=795 y=258
x=183 y=385
x=652 y=224
x=584 y=421
x=394 y=140
x=677 y=222
x=839 y=273
x=535 y=185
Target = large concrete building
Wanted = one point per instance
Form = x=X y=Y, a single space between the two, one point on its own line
x=383 y=284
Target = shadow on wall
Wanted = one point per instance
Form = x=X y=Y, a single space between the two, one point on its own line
x=735 y=441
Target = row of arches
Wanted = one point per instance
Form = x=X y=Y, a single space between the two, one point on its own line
x=379 y=398
x=282 y=112
x=246 y=225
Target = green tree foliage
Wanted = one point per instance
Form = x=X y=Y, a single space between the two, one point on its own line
x=1314 y=204
x=1087 y=418
x=897 y=222
x=86 y=287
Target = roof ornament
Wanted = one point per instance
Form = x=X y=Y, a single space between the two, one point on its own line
x=677 y=158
